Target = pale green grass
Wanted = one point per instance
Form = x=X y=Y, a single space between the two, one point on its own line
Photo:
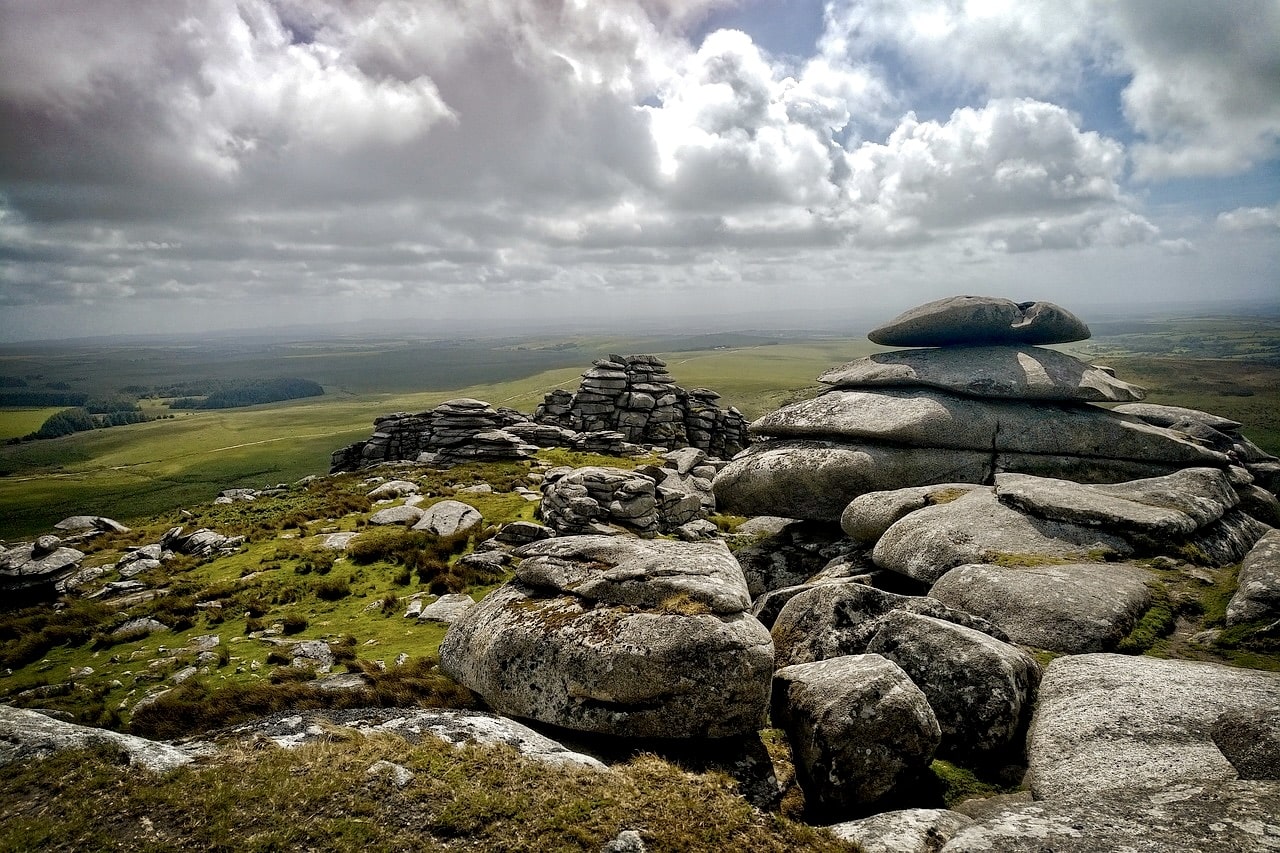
x=17 y=422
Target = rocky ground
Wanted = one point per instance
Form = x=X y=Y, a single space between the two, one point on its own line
x=953 y=603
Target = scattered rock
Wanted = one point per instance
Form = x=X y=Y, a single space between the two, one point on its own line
x=401 y=515
x=449 y=518
x=447 y=608
x=397 y=775
x=868 y=516
x=393 y=489
x=89 y=523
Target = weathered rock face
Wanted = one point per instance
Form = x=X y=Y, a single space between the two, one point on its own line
x=455 y=431
x=831 y=620
x=1217 y=432
x=902 y=831
x=977 y=528
x=1214 y=817
x=958 y=320
x=858 y=728
x=594 y=646
x=636 y=396
x=980 y=689
x=1258 y=593
x=1107 y=722
x=33 y=569
x=868 y=516
x=992 y=372
x=202 y=543
x=1072 y=608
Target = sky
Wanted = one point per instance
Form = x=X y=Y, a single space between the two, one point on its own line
x=187 y=165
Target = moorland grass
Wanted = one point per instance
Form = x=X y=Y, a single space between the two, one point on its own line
x=321 y=797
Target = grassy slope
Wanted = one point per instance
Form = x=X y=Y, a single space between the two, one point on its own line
x=139 y=470
x=17 y=422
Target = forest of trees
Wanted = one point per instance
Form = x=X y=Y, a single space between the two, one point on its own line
x=252 y=394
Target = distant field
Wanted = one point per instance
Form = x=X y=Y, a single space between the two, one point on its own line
x=135 y=471
x=17 y=422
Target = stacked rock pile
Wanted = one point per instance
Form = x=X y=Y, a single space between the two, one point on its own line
x=455 y=431
x=983 y=399
x=636 y=396
x=623 y=405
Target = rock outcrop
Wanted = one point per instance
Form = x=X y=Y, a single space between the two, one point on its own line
x=619 y=636
x=985 y=401
x=623 y=404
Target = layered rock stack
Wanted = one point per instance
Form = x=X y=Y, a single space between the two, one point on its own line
x=636 y=396
x=454 y=431
x=982 y=399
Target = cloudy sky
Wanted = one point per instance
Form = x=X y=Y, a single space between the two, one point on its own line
x=174 y=166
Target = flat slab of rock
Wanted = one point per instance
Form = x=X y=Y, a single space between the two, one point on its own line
x=82 y=523
x=903 y=831
x=449 y=518
x=994 y=372
x=858 y=728
x=460 y=728
x=645 y=573
x=1072 y=609
x=27 y=735
x=936 y=419
x=980 y=320
x=1111 y=721
x=977 y=528
x=1167 y=416
x=1213 y=817
x=1152 y=510
x=565 y=660
x=1257 y=595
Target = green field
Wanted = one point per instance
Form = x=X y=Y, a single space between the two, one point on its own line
x=132 y=472
x=17 y=422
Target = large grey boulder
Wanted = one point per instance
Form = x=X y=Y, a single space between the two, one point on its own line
x=1250 y=740
x=977 y=528
x=39 y=565
x=449 y=518
x=921 y=417
x=980 y=320
x=835 y=619
x=902 y=831
x=990 y=372
x=1073 y=609
x=641 y=573
x=1257 y=594
x=90 y=523
x=27 y=735
x=816 y=480
x=1212 y=817
x=980 y=689
x=868 y=516
x=1151 y=511
x=1108 y=722
x=858 y=728
x=619 y=636
x=634 y=673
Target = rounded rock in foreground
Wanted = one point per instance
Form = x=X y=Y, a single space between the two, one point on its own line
x=858 y=728
x=959 y=320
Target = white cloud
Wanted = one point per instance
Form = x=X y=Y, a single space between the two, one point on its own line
x=1250 y=219
x=1201 y=81
x=1018 y=170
